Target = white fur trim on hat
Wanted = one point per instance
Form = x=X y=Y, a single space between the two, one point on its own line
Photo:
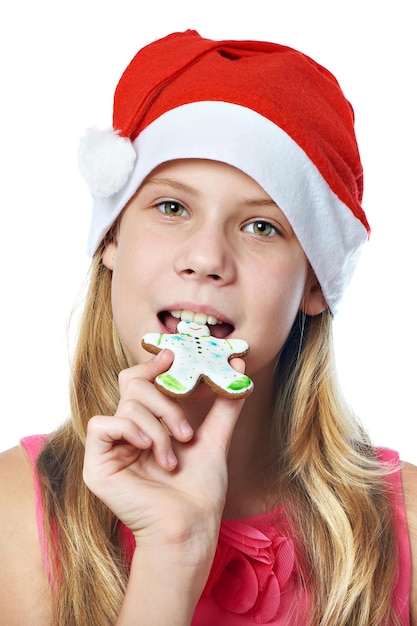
x=106 y=161
x=326 y=228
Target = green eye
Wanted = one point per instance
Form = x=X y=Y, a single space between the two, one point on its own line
x=170 y=207
x=261 y=228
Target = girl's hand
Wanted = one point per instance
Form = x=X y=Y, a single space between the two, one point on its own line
x=166 y=483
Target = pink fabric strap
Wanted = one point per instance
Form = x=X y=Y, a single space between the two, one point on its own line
x=33 y=446
x=401 y=595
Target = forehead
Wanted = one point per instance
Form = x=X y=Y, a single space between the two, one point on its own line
x=193 y=175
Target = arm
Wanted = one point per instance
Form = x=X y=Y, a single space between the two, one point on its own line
x=409 y=478
x=24 y=591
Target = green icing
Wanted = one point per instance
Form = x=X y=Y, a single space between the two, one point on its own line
x=170 y=382
x=240 y=383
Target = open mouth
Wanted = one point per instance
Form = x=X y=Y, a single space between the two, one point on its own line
x=218 y=328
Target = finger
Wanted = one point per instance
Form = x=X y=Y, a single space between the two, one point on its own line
x=221 y=420
x=238 y=364
x=121 y=439
x=104 y=432
x=153 y=428
x=148 y=370
x=139 y=392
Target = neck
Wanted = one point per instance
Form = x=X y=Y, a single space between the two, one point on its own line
x=249 y=461
x=249 y=455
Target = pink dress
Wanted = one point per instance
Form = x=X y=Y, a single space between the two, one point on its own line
x=253 y=579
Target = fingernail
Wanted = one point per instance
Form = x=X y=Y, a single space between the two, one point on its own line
x=171 y=458
x=186 y=429
x=144 y=436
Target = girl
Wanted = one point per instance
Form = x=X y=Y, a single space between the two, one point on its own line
x=228 y=193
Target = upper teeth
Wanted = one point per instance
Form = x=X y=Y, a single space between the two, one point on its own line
x=200 y=318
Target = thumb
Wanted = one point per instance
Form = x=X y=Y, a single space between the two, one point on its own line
x=223 y=416
x=221 y=420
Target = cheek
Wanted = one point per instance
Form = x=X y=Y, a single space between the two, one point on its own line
x=278 y=303
x=127 y=293
x=281 y=288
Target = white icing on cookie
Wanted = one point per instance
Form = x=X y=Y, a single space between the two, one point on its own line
x=199 y=356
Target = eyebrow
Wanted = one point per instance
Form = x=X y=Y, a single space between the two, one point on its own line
x=268 y=202
x=170 y=182
x=177 y=185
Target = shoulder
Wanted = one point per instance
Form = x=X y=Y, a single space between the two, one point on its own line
x=409 y=480
x=23 y=583
x=16 y=490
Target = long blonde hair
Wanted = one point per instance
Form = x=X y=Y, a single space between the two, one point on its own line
x=333 y=485
x=336 y=489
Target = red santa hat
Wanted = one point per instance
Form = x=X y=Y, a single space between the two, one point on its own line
x=264 y=108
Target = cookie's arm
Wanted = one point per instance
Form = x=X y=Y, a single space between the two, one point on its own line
x=153 y=342
x=237 y=347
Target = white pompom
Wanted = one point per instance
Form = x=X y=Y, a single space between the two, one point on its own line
x=105 y=160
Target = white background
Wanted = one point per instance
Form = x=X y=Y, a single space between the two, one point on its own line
x=59 y=65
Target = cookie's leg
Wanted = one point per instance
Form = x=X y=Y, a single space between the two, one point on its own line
x=228 y=379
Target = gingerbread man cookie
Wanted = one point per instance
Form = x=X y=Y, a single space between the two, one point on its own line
x=199 y=356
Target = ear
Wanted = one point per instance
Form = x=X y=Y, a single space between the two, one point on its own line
x=313 y=302
x=109 y=254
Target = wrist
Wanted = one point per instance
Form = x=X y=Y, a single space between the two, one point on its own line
x=189 y=542
x=176 y=573
x=188 y=553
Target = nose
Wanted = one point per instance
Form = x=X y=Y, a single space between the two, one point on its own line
x=206 y=255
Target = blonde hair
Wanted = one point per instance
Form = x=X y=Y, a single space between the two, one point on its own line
x=336 y=489
x=326 y=470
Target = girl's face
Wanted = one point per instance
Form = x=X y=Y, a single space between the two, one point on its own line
x=204 y=237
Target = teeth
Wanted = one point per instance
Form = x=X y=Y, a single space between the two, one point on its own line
x=200 y=318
